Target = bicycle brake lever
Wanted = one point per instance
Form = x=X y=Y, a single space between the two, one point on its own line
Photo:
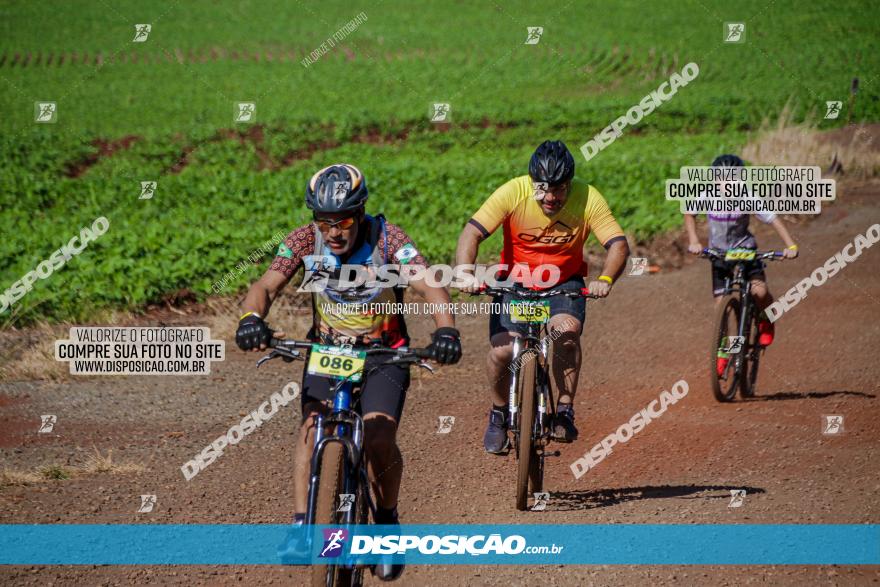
x=424 y=365
x=285 y=354
x=269 y=357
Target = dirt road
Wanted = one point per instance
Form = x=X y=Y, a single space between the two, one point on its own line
x=653 y=331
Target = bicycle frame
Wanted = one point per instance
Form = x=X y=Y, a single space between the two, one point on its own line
x=343 y=418
x=535 y=342
x=738 y=284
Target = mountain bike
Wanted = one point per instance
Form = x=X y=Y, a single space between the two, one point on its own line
x=530 y=401
x=338 y=468
x=736 y=326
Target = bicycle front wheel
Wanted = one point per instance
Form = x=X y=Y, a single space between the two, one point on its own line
x=724 y=383
x=526 y=453
x=330 y=485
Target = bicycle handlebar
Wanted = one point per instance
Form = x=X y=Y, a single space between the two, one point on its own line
x=720 y=254
x=486 y=290
x=401 y=355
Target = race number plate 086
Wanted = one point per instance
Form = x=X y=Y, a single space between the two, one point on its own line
x=529 y=312
x=739 y=255
x=334 y=361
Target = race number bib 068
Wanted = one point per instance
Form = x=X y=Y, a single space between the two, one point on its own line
x=739 y=255
x=334 y=361
x=530 y=312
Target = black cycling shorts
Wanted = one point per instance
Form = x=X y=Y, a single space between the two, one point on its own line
x=383 y=390
x=722 y=270
x=575 y=307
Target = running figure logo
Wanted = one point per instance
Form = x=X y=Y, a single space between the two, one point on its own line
x=541 y=188
x=534 y=35
x=446 y=423
x=737 y=497
x=542 y=498
x=141 y=32
x=340 y=190
x=245 y=111
x=833 y=425
x=346 y=500
x=333 y=542
x=441 y=112
x=639 y=265
x=733 y=345
x=832 y=109
x=735 y=32
x=48 y=423
x=45 y=112
x=147 y=504
x=148 y=188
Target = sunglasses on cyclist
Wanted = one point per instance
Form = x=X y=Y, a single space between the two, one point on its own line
x=344 y=224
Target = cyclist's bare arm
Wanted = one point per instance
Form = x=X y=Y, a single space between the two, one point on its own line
x=615 y=262
x=435 y=295
x=690 y=225
x=468 y=245
x=790 y=246
x=263 y=292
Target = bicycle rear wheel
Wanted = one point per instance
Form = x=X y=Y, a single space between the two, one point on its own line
x=527 y=466
x=726 y=324
x=330 y=485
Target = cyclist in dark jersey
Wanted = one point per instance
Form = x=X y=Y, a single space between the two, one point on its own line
x=344 y=234
x=728 y=231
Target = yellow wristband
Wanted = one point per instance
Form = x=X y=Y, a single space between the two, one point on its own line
x=249 y=314
x=606 y=279
x=793 y=248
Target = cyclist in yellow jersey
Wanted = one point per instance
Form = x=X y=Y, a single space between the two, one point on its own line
x=546 y=217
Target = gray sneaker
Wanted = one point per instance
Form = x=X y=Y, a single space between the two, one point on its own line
x=495 y=440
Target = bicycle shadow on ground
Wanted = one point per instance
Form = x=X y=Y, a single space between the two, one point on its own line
x=600 y=498
x=784 y=395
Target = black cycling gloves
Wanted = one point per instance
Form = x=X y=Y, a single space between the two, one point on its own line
x=446 y=345
x=252 y=332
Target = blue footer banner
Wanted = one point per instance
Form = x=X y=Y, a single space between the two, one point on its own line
x=525 y=544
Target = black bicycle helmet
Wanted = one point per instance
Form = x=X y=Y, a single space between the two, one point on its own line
x=728 y=161
x=551 y=163
x=337 y=188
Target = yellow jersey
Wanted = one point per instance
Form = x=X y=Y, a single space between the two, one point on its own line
x=533 y=238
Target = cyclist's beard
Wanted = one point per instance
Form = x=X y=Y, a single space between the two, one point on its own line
x=551 y=208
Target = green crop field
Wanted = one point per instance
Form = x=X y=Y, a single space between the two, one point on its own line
x=163 y=110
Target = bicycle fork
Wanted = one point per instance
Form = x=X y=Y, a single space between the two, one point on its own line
x=512 y=403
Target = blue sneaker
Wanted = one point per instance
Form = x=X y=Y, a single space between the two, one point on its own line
x=295 y=548
x=495 y=439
